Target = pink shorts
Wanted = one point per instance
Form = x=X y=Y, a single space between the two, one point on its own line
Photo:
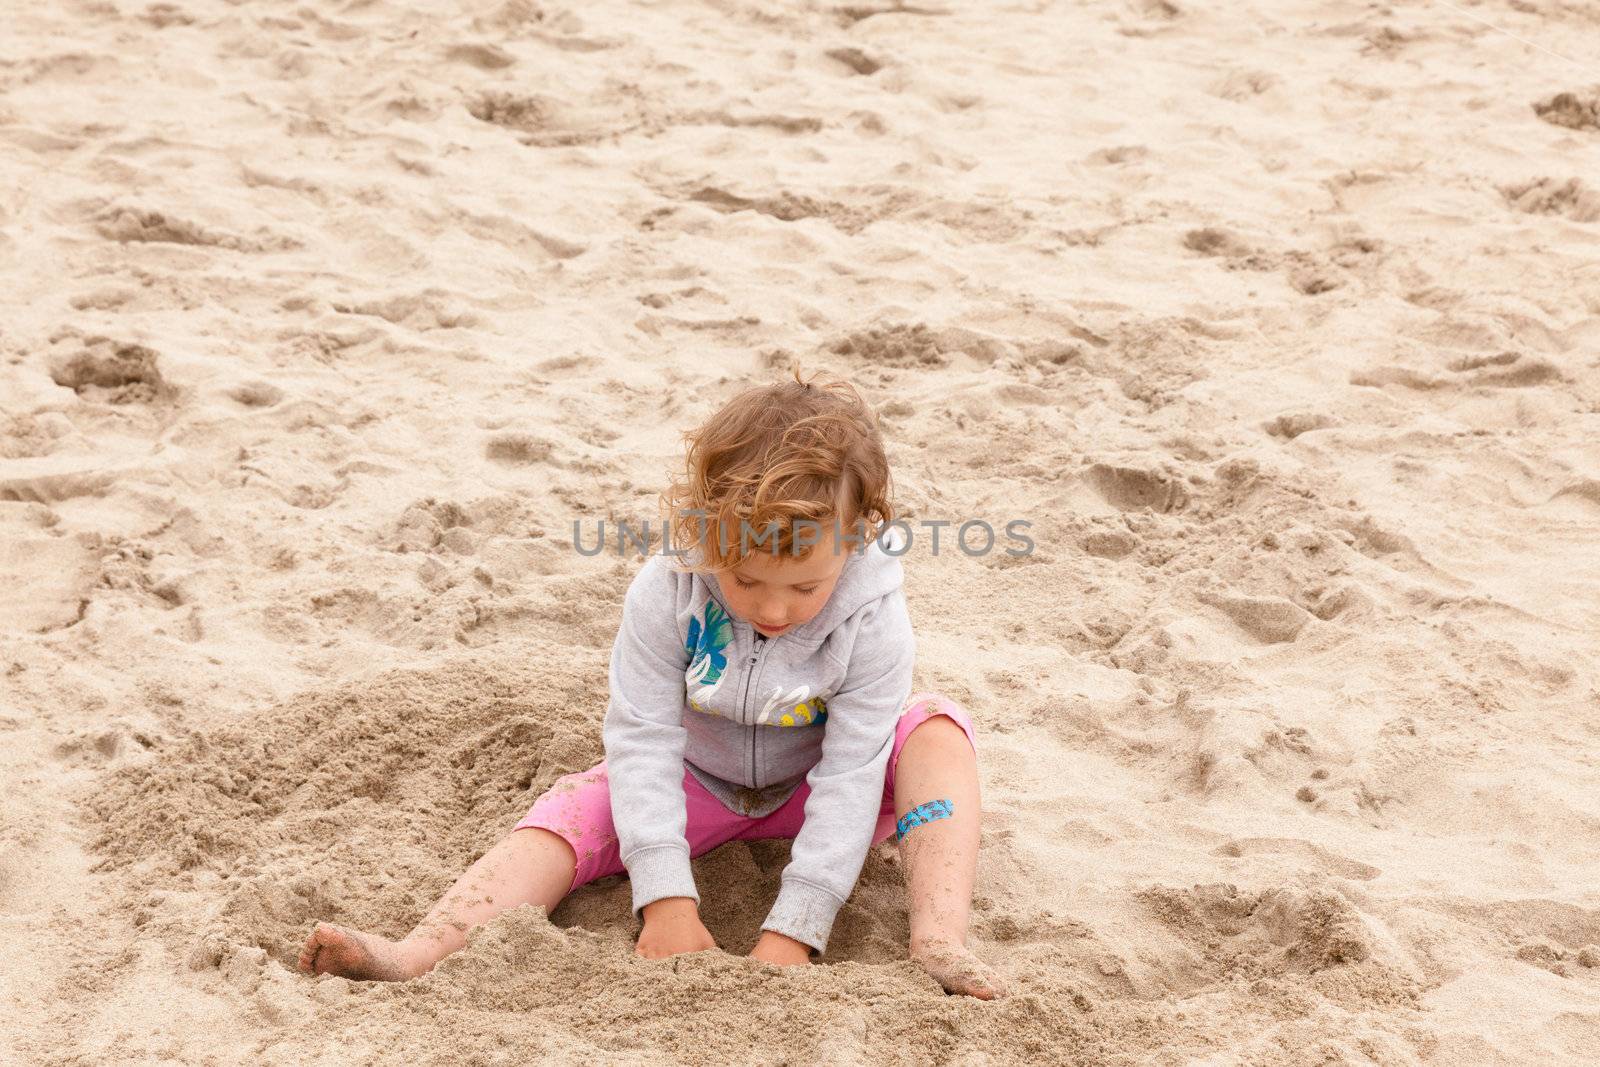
x=577 y=807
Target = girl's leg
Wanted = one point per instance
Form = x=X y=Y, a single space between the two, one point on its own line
x=936 y=776
x=529 y=866
x=566 y=840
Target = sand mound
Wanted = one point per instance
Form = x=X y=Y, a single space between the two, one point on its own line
x=360 y=803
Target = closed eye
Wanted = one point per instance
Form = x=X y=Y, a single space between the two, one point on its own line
x=807 y=591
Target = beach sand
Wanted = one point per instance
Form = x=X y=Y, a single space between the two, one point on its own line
x=1280 y=323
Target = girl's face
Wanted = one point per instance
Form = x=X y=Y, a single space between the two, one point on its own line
x=776 y=592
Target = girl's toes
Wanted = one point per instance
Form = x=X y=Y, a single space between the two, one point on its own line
x=986 y=984
x=955 y=968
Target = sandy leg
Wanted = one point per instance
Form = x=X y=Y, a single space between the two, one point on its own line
x=532 y=866
x=941 y=857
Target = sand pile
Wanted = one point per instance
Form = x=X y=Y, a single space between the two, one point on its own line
x=361 y=803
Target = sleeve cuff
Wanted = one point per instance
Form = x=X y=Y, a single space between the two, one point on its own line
x=804 y=912
x=658 y=872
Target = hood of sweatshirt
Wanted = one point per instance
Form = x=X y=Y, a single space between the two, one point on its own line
x=870 y=573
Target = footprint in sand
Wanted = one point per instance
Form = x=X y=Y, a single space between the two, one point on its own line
x=1158 y=9
x=855 y=60
x=785 y=206
x=1310 y=274
x=255 y=394
x=1135 y=488
x=1147 y=18
x=112 y=372
x=518 y=449
x=1292 y=424
x=1213 y=241
x=163 y=15
x=1109 y=544
x=1507 y=369
x=901 y=345
x=1579 y=110
x=1552 y=196
x=103 y=298
x=1270 y=619
x=1585 y=490
x=424 y=525
x=545 y=121
x=1387 y=42
x=482 y=56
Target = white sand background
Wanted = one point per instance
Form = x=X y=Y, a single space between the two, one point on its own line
x=320 y=324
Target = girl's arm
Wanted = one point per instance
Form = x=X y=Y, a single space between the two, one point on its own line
x=847 y=782
x=644 y=740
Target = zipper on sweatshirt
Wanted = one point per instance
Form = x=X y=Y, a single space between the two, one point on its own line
x=761 y=643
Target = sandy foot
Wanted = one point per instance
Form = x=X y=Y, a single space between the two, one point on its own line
x=958 y=970
x=351 y=954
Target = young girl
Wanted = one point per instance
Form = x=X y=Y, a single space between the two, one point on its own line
x=760 y=688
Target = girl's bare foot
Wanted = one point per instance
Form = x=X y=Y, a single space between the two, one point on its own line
x=953 y=966
x=351 y=954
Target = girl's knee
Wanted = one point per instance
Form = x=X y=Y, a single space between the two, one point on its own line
x=941 y=728
x=939 y=720
x=940 y=738
x=541 y=839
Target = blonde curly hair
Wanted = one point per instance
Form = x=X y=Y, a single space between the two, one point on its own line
x=804 y=452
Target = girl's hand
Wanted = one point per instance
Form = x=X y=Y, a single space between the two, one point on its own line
x=784 y=951
x=672 y=925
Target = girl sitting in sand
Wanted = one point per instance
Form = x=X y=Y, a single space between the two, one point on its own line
x=759 y=688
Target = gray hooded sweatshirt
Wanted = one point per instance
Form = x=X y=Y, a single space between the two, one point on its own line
x=753 y=717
